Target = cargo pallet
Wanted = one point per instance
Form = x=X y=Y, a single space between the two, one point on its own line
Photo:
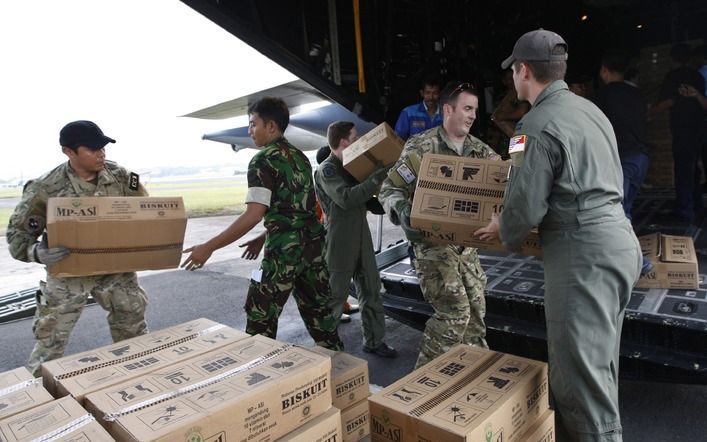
x=664 y=332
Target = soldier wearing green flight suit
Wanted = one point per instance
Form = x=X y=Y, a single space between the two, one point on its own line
x=60 y=301
x=451 y=277
x=349 y=245
x=280 y=191
x=566 y=179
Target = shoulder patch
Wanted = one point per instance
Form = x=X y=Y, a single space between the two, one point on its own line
x=516 y=144
x=35 y=224
x=328 y=171
x=406 y=173
x=134 y=181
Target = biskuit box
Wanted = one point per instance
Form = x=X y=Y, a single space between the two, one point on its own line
x=116 y=234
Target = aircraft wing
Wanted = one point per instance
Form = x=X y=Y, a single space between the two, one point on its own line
x=308 y=124
x=295 y=93
x=238 y=138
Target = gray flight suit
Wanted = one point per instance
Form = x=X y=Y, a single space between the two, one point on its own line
x=566 y=179
x=349 y=249
x=60 y=301
x=451 y=277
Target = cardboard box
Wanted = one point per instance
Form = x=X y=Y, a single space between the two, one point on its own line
x=256 y=389
x=349 y=377
x=543 y=430
x=132 y=349
x=381 y=146
x=674 y=262
x=20 y=391
x=356 y=422
x=457 y=195
x=467 y=394
x=60 y=420
x=324 y=428
x=116 y=234
x=101 y=377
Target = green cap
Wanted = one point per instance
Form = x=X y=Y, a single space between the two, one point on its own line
x=538 y=45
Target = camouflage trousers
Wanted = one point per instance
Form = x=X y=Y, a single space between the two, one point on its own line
x=298 y=268
x=453 y=282
x=60 y=302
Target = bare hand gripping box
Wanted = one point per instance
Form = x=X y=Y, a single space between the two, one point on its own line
x=455 y=196
x=465 y=395
x=82 y=373
x=116 y=234
x=257 y=389
x=20 y=391
x=62 y=420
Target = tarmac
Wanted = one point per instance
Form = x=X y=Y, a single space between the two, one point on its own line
x=650 y=411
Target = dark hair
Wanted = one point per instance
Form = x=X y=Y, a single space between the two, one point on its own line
x=545 y=71
x=271 y=109
x=451 y=92
x=680 y=53
x=615 y=61
x=337 y=131
x=322 y=154
x=432 y=82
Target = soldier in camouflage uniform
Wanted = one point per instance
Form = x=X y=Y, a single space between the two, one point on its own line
x=349 y=246
x=61 y=300
x=281 y=191
x=451 y=277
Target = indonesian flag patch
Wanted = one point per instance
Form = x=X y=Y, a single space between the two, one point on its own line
x=517 y=144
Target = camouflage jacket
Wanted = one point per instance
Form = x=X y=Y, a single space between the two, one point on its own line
x=28 y=221
x=398 y=189
x=287 y=173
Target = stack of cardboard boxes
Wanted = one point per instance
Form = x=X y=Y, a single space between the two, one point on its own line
x=350 y=389
x=467 y=394
x=20 y=391
x=199 y=381
x=60 y=420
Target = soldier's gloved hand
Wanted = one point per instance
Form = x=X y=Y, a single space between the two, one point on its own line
x=399 y=211
x=374 y=206
x=379 y=175
x=49 y=256
x=412 y=235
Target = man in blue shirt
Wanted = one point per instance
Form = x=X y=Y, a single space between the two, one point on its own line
x=421 y=116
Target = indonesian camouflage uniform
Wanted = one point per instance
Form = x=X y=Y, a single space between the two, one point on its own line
x=349 y=246
x=566 y=178
x=60 y=301
x=451 y=277
x=293 y=259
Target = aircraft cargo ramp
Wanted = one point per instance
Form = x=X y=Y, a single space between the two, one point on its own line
x=664 y=332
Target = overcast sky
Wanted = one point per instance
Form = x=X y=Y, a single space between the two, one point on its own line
x=131 y=66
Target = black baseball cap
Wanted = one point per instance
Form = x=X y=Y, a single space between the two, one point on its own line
x=83 y=133
x=538 y=45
